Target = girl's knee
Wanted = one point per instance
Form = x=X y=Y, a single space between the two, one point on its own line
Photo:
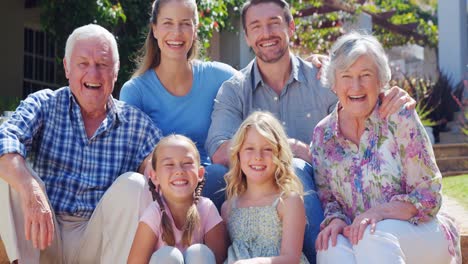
x=167 y=254
x=199 y=254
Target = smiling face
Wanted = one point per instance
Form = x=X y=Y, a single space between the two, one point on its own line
x=256 y=158
x=358 y=87
x=91 y=72
x=267 y=32
x=178 y=170
x=175 y=29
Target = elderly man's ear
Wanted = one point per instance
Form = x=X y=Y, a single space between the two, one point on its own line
x=65 y=68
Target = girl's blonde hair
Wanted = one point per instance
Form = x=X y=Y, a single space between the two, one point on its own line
x=150 y=54
x=193 y=217
x=270 y=128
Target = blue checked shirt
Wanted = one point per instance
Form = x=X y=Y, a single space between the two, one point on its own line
x=48 y=128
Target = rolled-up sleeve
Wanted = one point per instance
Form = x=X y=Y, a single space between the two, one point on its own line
x=227 y=115
x=17 y=133
x=421 y=177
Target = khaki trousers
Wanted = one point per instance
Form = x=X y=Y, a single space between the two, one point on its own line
x=104 y=238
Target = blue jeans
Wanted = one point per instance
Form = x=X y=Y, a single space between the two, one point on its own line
x=313 y=209
x=215 y=184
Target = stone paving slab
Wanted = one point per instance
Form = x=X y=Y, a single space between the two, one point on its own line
x=455 y=209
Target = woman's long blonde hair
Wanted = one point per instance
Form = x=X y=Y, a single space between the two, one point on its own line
x=271 y=129
x=193 y=217
x=150 y=54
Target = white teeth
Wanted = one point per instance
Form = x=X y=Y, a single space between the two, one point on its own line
x=257 y=167
x=268 y=44
x=356 y=96
x=92 y=85
x=175 y=43
x=180 y=182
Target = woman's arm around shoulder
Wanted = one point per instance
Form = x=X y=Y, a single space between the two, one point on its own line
x=143 y=245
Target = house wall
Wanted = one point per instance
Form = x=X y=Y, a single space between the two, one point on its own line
x=11 y=46
x=453 y=42
x=233 y=48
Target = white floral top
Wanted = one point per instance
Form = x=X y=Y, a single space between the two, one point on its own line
x=393 y=162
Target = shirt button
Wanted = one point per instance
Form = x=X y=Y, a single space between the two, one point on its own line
x=284 y=123
x=276 y=98
x=308 y=115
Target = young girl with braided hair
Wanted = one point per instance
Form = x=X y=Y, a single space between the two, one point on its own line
x=180 y=226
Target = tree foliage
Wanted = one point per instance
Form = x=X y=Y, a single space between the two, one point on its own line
x=310 y=37
x=128 y=21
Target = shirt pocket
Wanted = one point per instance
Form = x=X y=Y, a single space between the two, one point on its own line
x=305 y=122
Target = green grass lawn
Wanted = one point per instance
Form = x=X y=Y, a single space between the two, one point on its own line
x=456 y=187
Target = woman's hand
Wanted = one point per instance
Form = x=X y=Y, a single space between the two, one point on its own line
x=332 y=230
x=355 y=231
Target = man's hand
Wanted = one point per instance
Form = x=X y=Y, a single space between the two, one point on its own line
x=393 y=99
x=300 y=149
x=317 y=60
x=38 y=219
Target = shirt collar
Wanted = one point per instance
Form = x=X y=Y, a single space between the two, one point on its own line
x=114 y=114
x=333 y=130
x=296 y=74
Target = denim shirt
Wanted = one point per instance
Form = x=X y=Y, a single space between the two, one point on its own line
x=303 y=102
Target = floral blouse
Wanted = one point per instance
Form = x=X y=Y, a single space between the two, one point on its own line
x=394 y=161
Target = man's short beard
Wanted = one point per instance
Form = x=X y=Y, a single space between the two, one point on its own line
x=263 y=58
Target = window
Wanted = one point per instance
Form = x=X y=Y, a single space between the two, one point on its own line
x=39 y=62
x=31 y=3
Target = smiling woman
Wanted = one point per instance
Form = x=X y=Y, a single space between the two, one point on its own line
x=377 y=177
x=172 y=87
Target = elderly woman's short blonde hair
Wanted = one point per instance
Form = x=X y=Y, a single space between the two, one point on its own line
x=347 y=49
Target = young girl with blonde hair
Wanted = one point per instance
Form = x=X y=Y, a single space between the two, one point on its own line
x=264 y=210
x=180 y=226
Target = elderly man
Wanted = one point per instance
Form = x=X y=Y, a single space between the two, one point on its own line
x=75 y=200
x=282 y=83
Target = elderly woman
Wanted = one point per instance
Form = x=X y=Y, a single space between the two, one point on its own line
x=377 y=178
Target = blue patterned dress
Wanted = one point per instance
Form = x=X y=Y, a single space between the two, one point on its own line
x=255 y=232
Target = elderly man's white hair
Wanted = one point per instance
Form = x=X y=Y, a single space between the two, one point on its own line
x=88 y=32
x=347 y=49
